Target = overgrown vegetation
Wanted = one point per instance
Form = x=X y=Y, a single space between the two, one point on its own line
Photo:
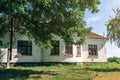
x=114 y=59
x=90 y=71
x=113 y=27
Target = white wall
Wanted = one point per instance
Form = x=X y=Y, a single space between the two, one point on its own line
x=102 y=56
x=46 y=57
x=35 y=57
x=43 y=55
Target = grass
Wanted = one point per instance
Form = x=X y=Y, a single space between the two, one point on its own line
x=91 y=71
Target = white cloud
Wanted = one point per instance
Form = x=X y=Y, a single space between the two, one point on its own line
x=93 y=19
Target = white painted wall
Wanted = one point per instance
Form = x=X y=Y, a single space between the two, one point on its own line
x=102 y=56
x=46 y=57
x=35 y=57
x=43 y=55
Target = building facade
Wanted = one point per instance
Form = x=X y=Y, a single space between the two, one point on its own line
x=25 y=51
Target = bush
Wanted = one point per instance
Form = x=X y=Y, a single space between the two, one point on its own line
x=114 y=59
x=118 y=61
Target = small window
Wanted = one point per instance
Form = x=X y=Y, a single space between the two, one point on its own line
x=55 y=49
x=24 y=47
x=78 y=51
x=1 y=43
x=68 y=49
x=92 y=49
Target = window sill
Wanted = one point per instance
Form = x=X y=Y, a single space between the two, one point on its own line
x=54 y=55
x=95 y=56
x=26 y=55
x=68 y=55
x=19 y=54
x=78 y=55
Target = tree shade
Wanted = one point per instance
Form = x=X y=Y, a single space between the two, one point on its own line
x=41 y=19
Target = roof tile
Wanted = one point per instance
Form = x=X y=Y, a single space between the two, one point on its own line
x=95 y=36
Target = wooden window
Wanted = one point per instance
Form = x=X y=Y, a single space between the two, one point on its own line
x=1 y=43
x=24 y=47
x=68 y=50
x=92 y=49
x=55 y=49
x=78 y=51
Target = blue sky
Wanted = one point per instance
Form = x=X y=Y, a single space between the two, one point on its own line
x=98 y=21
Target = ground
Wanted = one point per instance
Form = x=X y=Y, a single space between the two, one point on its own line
x=90 y=71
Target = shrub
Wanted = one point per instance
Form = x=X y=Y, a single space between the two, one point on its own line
x=114 y=59
x=118 y=61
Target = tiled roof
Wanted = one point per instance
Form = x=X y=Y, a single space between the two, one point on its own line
x=95 y=36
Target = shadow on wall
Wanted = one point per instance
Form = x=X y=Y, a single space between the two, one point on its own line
x=2 y=54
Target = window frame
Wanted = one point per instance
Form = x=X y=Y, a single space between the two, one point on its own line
x=1 y=43
x=70 y=50
x=93 y=50
x=56 y=48
x=78 y=50
x=25 y=45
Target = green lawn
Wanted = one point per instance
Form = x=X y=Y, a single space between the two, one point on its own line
x=99 y=71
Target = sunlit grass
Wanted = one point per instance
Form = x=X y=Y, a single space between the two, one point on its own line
x=90 y=71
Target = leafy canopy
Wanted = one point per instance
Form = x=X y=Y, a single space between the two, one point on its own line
x=41 y=19
x=113 y=28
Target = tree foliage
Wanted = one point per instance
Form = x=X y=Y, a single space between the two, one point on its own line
x=113 y=28
x=41 y=19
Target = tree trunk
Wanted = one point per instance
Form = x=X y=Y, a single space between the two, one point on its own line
x=8 y=59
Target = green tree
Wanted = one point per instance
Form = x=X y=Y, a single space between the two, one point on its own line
x=113 y=27
x=41 y=19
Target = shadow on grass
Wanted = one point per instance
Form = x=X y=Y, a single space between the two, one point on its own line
x=42 y=64
x=104 y=69
x=20 y=74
